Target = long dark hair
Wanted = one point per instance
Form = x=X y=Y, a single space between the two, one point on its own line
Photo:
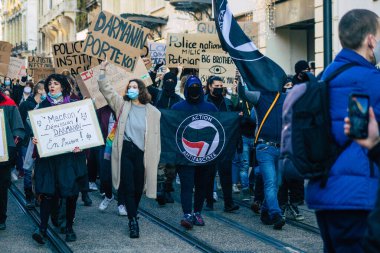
x=144 y=95
x=66 y=87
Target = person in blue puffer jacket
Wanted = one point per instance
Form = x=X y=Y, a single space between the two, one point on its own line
x=342 y=207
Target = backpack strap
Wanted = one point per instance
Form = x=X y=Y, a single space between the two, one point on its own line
x=339 y=70
x=266 y=116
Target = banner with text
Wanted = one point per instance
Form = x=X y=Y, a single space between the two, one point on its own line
x=5 y=55
x=16 y=68
x=116 y=39
x=157 y=52
x=41 y=74
x=118 y=77
x=185 y=49
x=69 y=56
x=220 y=65
x=38 y=62
x=3 y=139
x=61 y=128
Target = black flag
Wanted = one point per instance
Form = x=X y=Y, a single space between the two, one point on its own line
x=189 y=138
x=258 y=71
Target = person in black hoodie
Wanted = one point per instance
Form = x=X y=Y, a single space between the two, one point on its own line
x=371 y=241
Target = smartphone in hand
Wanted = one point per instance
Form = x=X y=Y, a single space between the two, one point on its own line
x=358 y=112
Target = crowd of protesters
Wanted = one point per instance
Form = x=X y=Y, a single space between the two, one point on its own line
x=342 y=207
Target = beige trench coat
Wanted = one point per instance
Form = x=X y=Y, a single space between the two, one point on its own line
x=152 y=138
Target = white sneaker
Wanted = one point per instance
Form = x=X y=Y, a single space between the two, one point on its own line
x=215 y=196
x=14 y=175
x=122 y=211
x=235 y=189
x=92 y=186
x=105 y=203
x=177 y=180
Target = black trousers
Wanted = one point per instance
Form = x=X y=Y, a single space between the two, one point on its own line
x=342 y=231
x=5 y=182
x=194 y=176
x=93 y=163
x=131 y=178
x=225 y=174
x=105 y=174
x=291 y=191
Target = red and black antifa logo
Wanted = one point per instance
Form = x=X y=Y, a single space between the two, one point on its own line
x=200 y=138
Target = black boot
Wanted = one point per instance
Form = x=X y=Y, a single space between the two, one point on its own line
x=39 y=236
x=86 y=199
x=134 y=231
x=29 y=196
x=161 y=194
x=168 y=197
x=70 y=235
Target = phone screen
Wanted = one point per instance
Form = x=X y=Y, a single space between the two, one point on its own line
x=359 y=115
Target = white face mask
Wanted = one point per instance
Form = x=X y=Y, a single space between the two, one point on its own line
x=27 y=90
x=376 y=53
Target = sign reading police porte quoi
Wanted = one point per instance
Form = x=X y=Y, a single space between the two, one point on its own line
x=3 y=139
x=116 y=39
x=69 y=56
x=185 y=49
x=220 y=65
x=61 y=128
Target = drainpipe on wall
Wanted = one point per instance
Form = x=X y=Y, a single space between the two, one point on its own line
x=327 y=32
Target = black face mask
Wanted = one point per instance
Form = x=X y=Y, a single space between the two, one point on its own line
x=218 y=92
x=169 y=86
x=193 y=94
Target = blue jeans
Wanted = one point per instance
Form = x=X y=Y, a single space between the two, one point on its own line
x=240 y=164
x=267 y=157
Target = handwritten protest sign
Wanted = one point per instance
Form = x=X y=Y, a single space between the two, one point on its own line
x=5 y=54
x=39 y=74
x=157 y=52
x=61 y=128
x=250 y=29
x=69 y=56
x=185 y=49
x=38 y=62
x=118 y=77
x=117 y=39
x=3 y=139
x=217 y=65
x=15 y=69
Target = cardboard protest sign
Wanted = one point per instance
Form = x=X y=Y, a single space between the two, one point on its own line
x=157 y=52
x=69 y=56
x=220 y=65
x=39 y=74
x=251 y=29
x=3 y=139
x=118 y=77
x=185 y=49
x=5 y=54
x=61 y=128
x=38 y=62
x=116 y=39
x=15 y=70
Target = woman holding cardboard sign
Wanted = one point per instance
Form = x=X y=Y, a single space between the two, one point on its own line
x=136 y=146
x=58 y=176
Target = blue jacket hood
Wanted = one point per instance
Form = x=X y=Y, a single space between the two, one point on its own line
x=190 y=81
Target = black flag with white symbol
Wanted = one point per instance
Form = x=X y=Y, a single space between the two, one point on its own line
x=258 y=71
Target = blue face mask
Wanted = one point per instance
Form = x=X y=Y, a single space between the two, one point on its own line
x=55 y=96
x=7 y=83
x=43 y=97
x=133 y=93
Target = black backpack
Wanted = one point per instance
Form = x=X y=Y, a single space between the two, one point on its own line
x=308 y=150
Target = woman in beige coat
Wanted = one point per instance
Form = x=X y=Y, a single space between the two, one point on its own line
x=137 y=145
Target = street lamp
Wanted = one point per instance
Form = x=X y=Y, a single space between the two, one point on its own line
x=327 y=32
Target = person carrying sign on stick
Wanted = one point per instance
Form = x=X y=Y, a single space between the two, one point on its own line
x=136 y=146
x=58 y=176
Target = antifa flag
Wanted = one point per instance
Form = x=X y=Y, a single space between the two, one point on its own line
x=258 y=71
x=189 y=138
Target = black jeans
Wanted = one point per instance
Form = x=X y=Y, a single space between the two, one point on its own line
x=225 y=174
x=342 y=231
x=93 y=163
x=198 y=176
x=105 y=174
x=291 y=191
x=5 y=181
x=131 y=178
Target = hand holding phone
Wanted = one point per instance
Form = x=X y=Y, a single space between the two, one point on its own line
x=358 y=113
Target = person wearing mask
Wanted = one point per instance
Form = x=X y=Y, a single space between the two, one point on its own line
x=343 y=205
x=194 y=175
x=300 y=67
x=27 y=91
x=7 y=84
x=8 y=93
x=215 y=96
x=136 y=148
x=18 y=89
x=14 y=130
x=39 y=95
x=57 y=176
x=371 y=241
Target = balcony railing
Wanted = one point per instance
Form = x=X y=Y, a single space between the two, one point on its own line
x=20 y=47
x=57 y=10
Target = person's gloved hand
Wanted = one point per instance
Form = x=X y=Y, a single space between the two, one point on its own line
x=159 y=65
x=24 y=79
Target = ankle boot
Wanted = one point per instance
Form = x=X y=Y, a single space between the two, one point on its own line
x=134 y=231
x=39 y=236
x=70 y=235
x=86 y=199
x=161 y=194
x=29 y=196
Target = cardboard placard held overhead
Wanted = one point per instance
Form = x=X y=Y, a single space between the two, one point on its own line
x=15 y=68
x=39 y=74
x=251 y=29
x=157 y=52
x=117 y=39
x=118 y=77
x=61 y=128
x=69 y=56
x=38 y=62
x=5 y=55
x=185 y=49
x=3 y=139
x=220 y=65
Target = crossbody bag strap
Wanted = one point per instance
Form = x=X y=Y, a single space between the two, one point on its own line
x=118 y=117
x=266 y=116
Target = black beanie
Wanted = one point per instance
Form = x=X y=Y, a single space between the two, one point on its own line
x=301 y=66
x=168 y=76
